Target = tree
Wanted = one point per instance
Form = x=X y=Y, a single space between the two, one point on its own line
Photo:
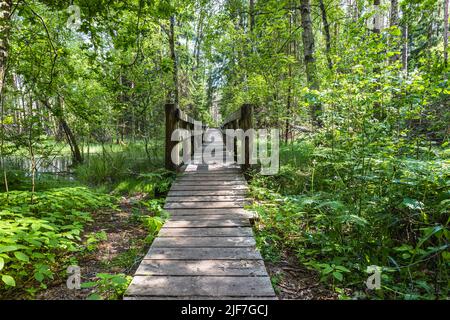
x=326 y=29
x=310 y=61
x=445 y=32
x=5 y=28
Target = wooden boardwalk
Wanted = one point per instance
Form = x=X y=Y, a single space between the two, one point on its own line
x=206 y=250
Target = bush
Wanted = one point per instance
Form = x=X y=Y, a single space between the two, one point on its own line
x=36 y=230
x=338 y=213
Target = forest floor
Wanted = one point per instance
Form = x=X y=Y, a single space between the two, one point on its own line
x=293 y=281
x=122 y=248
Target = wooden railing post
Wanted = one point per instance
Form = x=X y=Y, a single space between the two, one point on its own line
x=235 y=148
x=246 y=123
x=171 y=126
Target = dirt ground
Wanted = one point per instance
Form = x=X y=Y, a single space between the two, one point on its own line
x=294 y=282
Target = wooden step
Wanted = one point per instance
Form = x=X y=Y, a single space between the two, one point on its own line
x=202 y=254
x=205 y=286
x=202 y=267
x=206 y=232
x=207 y=223
x=203 y=242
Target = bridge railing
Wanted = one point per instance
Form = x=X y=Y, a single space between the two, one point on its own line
x=240 y=119
x=177 y=119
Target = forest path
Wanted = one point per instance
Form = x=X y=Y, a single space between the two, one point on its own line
x=206 y=250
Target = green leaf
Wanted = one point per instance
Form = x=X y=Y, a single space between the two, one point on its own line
x=8 y=248
x=413 y=204
x=338 y=275
x=342 y=268
x=8 y=280
x=2 y=263
x=22 y=256
x=39 y=276
x=89 y=284
x=94 y=296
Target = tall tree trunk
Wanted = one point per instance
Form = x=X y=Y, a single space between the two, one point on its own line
x=310 y=61
x=252 y=15
x=5 y=28
x=445 y=33
x=394 y=23
x=173 y=55
x=326 y=28
x=378 y=112
x=405 y=47
x=289 y=78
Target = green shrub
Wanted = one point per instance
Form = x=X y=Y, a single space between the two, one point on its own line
x=36 y=230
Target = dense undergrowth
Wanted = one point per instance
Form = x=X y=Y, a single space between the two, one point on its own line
x=43 y=232
x=340 y=212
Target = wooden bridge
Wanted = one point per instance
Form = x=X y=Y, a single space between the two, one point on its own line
x=206 y=250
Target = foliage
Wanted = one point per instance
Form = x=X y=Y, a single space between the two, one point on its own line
x=340 y=218
x=39 y=229
x=108 y=286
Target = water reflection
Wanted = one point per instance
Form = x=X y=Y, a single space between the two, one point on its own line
x=53 y=165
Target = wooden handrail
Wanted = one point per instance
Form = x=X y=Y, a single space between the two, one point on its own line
x=176 y=119
x=240 y=119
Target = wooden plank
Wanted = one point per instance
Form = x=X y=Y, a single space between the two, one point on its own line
x=204 y=286
x=203 y=254
x=212 y=178
x=203 y=217
x=207 y=193
x=237 y=212
x=218 y=183
x=200 y=187
x=199 y=298
x=206 y=199
x=203 y=242
x=207 y=223
x=204 y=204
x=201 y=268
x=206 y=232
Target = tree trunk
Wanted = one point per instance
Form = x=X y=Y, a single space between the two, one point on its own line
x=5 y=28
x=310 y=61
x=445 y=33
x=173 y=55
x=326 y=28
x=378 y=112
x=58 y=114
x=252 y=15
x=405 y=48
x=394 y=23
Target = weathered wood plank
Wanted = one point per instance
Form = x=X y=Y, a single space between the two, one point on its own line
x=206 y=232
x=201 y=187
x=204 y=204
x=212 y=178
x=203 y=217
x=204 y=286
x=218 y=183
x=207 y=223
x=201 y=268
x=207 y=193
x=206 y=199
x=203 y=254
x=232 y=173
x=199 y=298
x=203 y=242
x=237 y=212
